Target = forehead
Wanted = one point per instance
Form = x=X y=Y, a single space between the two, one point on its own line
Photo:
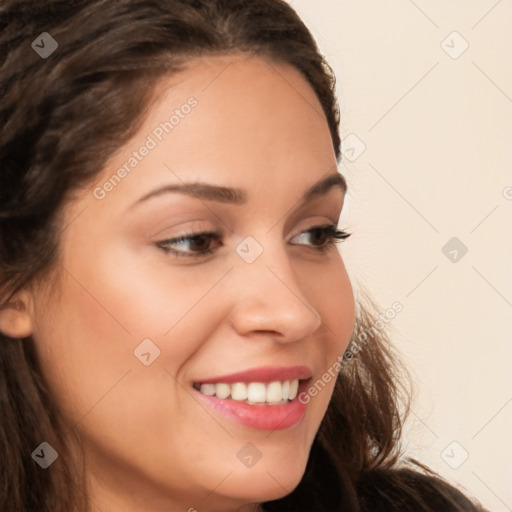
x=246 y=121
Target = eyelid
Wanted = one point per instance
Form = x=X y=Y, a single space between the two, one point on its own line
x=315 y=222
x=185 y=228
x=200 y=226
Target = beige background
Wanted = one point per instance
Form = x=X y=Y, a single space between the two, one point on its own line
x=437 y=163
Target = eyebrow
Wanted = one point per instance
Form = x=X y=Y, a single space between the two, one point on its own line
x=238 y=196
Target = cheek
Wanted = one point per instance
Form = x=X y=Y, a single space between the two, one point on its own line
x=85 y=343
x=112 y=313
x=148 y=295
x=332 y=295
x=132 y=298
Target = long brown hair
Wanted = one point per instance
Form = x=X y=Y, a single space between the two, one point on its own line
x=62 y=117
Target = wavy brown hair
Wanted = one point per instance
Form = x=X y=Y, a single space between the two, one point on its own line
x=61 y=119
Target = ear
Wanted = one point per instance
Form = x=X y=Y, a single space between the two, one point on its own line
x=15 y=317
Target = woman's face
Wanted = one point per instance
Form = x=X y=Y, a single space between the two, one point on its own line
x=135 y=339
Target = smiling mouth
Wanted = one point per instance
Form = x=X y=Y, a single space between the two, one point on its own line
x=252 y=393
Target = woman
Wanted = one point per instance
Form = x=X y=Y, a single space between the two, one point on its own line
x=175 y=318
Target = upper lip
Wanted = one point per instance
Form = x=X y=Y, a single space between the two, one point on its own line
x=263 y=374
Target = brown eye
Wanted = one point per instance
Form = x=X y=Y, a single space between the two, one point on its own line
x=325 y=236
x=198 y=244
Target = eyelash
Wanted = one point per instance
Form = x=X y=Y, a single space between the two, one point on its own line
x=334 y=235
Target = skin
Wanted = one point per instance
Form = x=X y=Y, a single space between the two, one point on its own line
x=149 y=444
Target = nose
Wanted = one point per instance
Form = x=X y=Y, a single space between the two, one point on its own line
x=269 y=299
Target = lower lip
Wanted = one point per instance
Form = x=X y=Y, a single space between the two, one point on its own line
x=260 y=417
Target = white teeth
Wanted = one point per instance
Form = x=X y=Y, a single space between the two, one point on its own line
x=222 y=390
x=294 y=387
x=273 y=393
x=239 y=391
x=285 y=390
x=208 y=389
x=256 y=392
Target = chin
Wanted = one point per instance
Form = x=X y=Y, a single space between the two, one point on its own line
x=268 y=482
